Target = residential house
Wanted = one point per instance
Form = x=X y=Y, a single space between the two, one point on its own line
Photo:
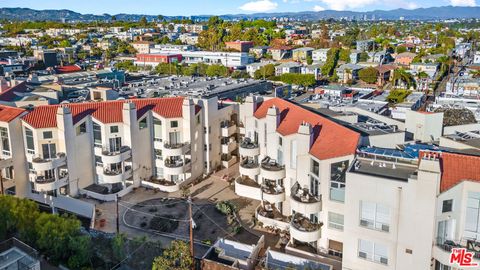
x=302 y=54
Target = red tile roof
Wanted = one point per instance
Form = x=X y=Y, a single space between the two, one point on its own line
x=331 y=140
x=8 y=113
x=107 y=111
x=9 y=94
x=68 y=69
x=456 y=168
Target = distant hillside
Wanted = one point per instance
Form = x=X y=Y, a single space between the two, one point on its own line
x=433 y=13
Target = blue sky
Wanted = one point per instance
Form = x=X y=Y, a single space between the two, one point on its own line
x=215 y=7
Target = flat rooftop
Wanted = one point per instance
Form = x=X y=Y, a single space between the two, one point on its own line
x=380 y=168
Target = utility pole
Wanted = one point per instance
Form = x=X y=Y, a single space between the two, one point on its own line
x=118 y=220
x=191 y=231
x=1 y=183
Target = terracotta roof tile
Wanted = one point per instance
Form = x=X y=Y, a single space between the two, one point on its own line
x=8 y=113
x=68 y=69
x=456 y=168
x=9 y=94
x=331 y=139
x=105 y=112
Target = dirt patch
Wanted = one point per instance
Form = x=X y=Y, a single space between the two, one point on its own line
x=171 y=216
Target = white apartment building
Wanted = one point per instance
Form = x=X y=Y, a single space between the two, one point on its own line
x=320 y=55
x=294 y=161
x=105 y=149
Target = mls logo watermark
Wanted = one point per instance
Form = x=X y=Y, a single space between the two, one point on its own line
x=462 y=257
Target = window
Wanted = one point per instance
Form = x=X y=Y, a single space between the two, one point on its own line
x=82 y=128
x=47 y=135
x=115 y=144
x=337 y=181
x=174 y=124
x=5 y=141
x=372 y=251
x=314 y=186
x=143 y=123
x=335 y=221
x=472 y=222
x=198 y=119
x=97 y=135
x=98 y=161
x=280 y=141
x=114 y=129
x=293 y=154
x=374 y=216
x=314 y=218
x=49 y=151
x=157 y=130
x=447 y=206
x=29 y=140
x=315 y=167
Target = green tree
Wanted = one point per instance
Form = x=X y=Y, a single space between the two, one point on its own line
x=176 y=257
x=143 y=21
x=401 y=49
x=344 y=55
x=217 y=71
x=368 y=75
x=267 y=72
x=363 y=57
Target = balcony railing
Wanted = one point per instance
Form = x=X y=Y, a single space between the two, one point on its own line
x=44 y=180
x=176 y=163
x=168 y=145
x=116 y=172
x=112 y=152
x=248 y=144
x=40 y=159
x=302 y=223
x=448 y=245
x=271 y=165
x=249 y=164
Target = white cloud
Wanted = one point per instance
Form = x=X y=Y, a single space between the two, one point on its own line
x=412 y=5
x=348 y=4
x=318 y=8
x=259 y=6
x=468 y=3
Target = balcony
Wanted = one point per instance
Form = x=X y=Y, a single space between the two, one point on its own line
x=228 y=128
x=270 y=216
x=249 y=148
x=270 y=169
x=250 y=168
x=273 y=193
x=228 y=147
x=177 y=167
x=110 y=156
x=6 y=162
x=115 y=176
x=43 y=184
x=43 y=164
x=444 y=247
x=303 y=230
x=247 y=187
x=228 y=160
x=241 y=128
x=302 y=201
x=161 y=184
x=175 y=149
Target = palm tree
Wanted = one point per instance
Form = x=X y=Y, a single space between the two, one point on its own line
x=403 y=76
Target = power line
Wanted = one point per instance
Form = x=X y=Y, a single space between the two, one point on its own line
x=153 y=215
